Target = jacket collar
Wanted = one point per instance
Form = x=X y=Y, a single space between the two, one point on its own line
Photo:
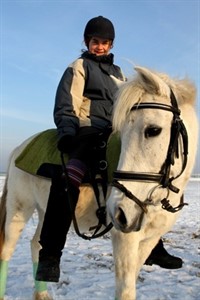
x=106 y=59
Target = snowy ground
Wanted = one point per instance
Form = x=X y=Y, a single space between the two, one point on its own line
x=88 y=271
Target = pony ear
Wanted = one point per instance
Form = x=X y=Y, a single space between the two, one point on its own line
x=151 y=82
x=117 y=81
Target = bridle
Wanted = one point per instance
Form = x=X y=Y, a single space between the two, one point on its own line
x=163 y=178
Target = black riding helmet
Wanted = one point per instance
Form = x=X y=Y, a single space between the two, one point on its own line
x=99 y=27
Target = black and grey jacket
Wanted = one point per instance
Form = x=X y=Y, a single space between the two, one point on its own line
x=85 y=94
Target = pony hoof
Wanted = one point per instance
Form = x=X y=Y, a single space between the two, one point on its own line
x=42 y=296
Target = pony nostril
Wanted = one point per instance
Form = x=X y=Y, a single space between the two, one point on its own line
x=121 y=218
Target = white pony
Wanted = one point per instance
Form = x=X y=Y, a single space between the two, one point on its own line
x=156 y=119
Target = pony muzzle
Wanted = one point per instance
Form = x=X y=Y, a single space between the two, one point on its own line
x=125 y=222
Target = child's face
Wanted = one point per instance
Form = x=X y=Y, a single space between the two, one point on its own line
x=99 y=46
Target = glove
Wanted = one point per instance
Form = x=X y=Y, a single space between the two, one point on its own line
x=67 y=143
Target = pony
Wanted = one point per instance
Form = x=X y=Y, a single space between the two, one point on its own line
x=155 y=118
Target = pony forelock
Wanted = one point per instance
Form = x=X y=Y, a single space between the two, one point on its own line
x=149 y=82
x=128 y=94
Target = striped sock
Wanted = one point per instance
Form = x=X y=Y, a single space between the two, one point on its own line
x=76 y=170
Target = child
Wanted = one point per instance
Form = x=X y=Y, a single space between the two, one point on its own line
x=83 y=110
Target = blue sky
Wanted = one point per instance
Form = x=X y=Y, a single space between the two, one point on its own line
x=40 y=38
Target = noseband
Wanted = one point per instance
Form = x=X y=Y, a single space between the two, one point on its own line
x=163 y=177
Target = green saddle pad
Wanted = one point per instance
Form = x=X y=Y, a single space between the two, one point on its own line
x=43 y=150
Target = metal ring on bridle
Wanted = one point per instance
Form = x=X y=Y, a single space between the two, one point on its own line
x=149 y=197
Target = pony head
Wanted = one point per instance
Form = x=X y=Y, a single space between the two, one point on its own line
x=143 y=115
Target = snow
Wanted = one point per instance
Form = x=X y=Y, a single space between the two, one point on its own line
x=87 y=270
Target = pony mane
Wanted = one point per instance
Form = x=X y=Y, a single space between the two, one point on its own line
x=146 y=81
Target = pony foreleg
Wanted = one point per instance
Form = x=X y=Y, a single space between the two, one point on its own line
x=12 y=230
x=41 y=292
x=125 y=252
x=3 y=277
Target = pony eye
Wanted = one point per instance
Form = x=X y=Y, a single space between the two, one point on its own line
x=152 y=131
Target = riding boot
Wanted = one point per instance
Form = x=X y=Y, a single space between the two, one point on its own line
x=57 y=220
x=159 y=256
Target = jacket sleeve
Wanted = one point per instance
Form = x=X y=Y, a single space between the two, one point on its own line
x=69 y=97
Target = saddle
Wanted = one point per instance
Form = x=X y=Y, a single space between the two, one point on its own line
x=42 y=158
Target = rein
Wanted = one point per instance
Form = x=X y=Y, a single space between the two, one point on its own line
x=100 y=213
x=163 y=177
x=102 y=171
